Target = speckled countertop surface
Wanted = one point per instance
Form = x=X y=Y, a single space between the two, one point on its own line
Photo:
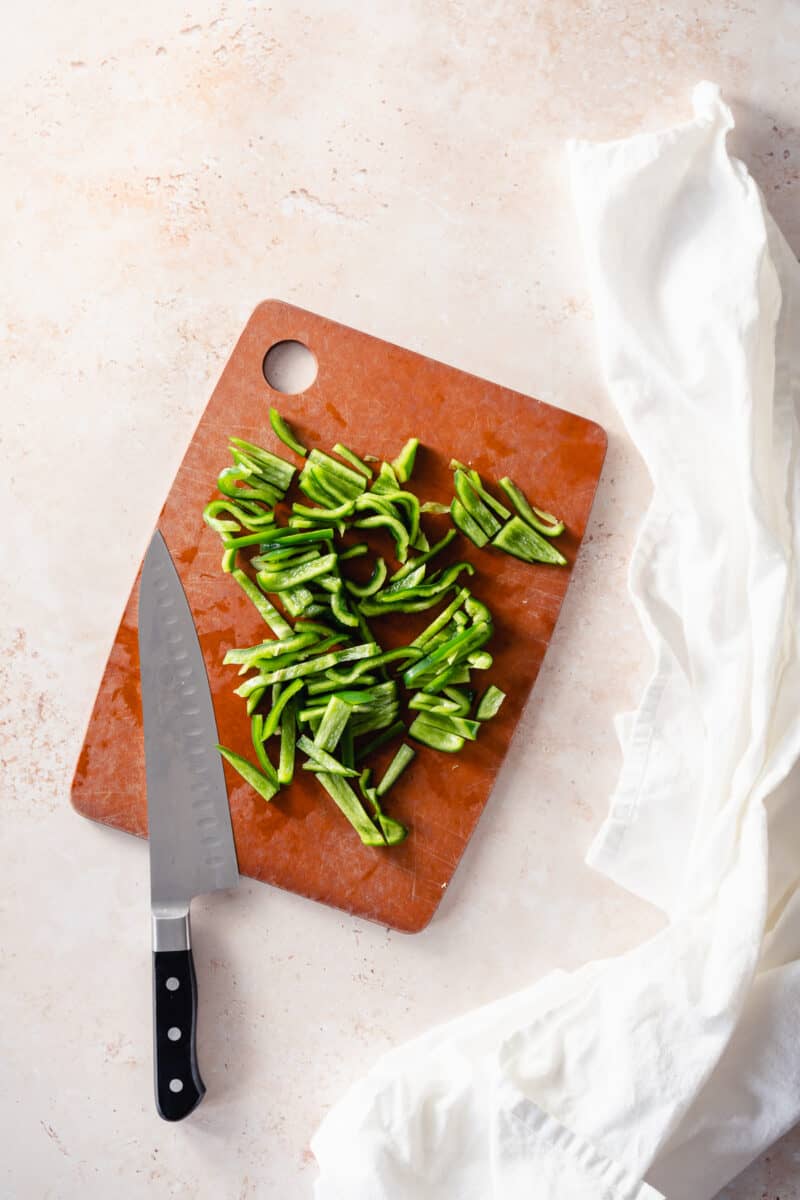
x=398 y=167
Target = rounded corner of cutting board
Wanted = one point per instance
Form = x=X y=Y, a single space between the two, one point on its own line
x=266 y=307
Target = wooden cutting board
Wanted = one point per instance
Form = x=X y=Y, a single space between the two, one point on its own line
x=372 y=396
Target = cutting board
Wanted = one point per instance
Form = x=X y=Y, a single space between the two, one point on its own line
x=372 y=396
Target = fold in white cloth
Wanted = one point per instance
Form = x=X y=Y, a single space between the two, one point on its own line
x=677 y=1062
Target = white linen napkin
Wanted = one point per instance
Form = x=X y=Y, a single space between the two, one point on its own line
x=678 y=1061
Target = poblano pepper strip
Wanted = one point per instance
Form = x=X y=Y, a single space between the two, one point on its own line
x=446 y=615
x=353 y=460
x=273 y=717
x=257 y=735
x=523 y=542
x=449 y=653
x=395 y=527
x=466 y=524
x=487 y=497
x=318 y=458
x=544 y=522
x=274 y=469
x=288 y=737
x=429 y=591
x=356 y=551
x=279 y=580
x=404 y=756
x=284 y=431
x=244 y=655
x=280 y=627
x=473 y=505
x=348 y=802
x=490 y=703
x=435 y=737
x=334 y=515
x=387 y=481
x=422 y=559
x=245 y=515
x=392 y=830
x=341 y=610
x=373 y=584
x=403 y=465
x=324 y=761
x=257 y=779
x=230 y=478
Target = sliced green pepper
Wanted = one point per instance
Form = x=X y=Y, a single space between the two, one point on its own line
x=387 y=481
x=523 y=542
x=435 y=737
x=490 y=703
x=373 y=584
x=337 y=714
x=280 y=627
x=317 y=687
x=288 y=741
x=463 y=521
x=275 y=470
x=413 y=564
x=474 y=506
x=323 y=760
x=283 y=430
x=245 y=514
x=355 y=551
x=544 y=522
x=404 y=756
x=423 y=702
x=449 y=653
x=348 y=802
x=285 y=698
x=442 y=620
x=230 y=478
x=245 y=655
x=257 y=779
x=480 y=660
x=311 y=667
x=487 y=496
x=411 y=580
x=450 y=723
x=395 y=527
x=324 y=514
x=353 y=459
x=257 y=735
x=403 y=465
x=290 y=577
x=392 y=830
x=429 y=591
x=336 y=475
x=254 y=699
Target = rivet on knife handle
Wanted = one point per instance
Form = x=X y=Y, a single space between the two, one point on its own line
x=179 y=1088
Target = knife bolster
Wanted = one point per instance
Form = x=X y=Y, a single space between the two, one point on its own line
x=171 y=932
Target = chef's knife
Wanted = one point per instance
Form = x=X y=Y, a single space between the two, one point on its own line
x=189 y=822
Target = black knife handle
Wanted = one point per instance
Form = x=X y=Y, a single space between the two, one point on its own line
x=179 y=1088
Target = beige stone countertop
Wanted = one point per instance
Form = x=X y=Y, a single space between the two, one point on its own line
x=398 y=167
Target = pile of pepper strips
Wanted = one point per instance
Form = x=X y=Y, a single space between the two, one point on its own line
x=322 y=684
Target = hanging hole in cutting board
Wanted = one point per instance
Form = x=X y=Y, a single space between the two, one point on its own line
x=290 y=367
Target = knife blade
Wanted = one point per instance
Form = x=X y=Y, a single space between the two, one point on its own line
x=189 y=824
